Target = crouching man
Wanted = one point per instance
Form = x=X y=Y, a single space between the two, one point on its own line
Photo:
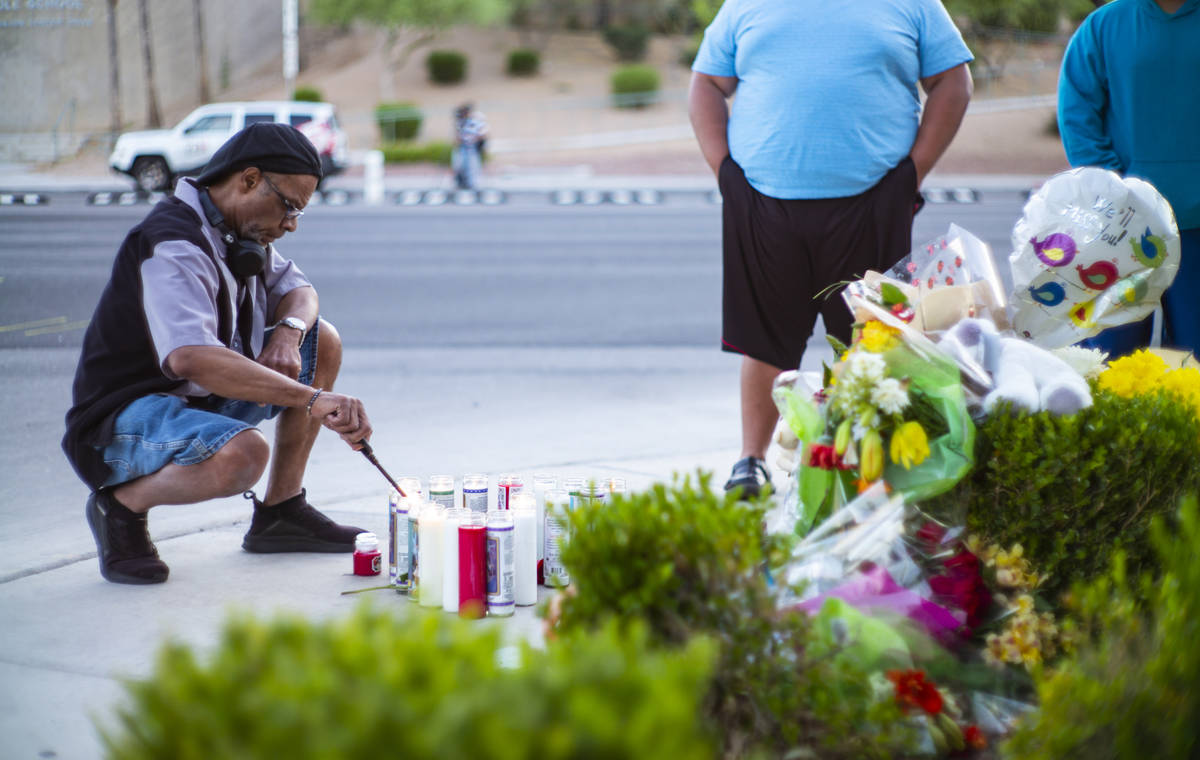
x=203 y=331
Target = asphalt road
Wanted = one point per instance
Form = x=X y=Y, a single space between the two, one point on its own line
x=522 y=275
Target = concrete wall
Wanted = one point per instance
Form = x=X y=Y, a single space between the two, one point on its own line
x=54 y=59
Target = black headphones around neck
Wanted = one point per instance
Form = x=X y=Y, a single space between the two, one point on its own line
x=246 y=258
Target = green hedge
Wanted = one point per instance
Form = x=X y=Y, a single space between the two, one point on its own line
x=634 y=86
x=446 y=66
x=398 y=121
x=432 y=152
x=628 y=41
x=1073 y=489
x=415 y=686
x=307 y=94
x=1131 y=690
x=688 y=562
x=523 y=62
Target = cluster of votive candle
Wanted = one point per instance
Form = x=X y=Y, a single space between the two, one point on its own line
x=479 y=551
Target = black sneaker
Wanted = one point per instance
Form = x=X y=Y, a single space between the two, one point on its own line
x=749 y=474
x=294 y=526
x=127 y=555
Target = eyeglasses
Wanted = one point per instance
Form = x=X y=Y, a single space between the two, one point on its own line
x=289 y=211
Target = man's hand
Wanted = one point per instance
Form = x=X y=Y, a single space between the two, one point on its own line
x=344 y=415
x=282 y=352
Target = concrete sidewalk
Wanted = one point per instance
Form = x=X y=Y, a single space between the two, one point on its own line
x=69 y=637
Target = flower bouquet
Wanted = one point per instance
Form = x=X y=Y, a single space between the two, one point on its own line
x=891 y=409
x=911 y=597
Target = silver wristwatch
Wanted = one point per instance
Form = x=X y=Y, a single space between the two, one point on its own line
x=295 y=323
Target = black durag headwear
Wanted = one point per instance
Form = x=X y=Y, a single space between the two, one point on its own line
x=278 y=148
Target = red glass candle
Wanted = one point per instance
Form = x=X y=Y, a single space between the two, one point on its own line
x=367 y=560
x=472 y=567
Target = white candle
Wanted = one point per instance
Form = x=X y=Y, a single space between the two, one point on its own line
x=430 y=527
x=450 y=559
x=525 y=538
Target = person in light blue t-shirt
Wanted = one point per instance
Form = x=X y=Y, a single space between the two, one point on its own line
x=1129 y=100
x=819 y=161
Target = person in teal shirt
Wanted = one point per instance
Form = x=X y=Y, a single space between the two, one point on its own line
x=1129 y=101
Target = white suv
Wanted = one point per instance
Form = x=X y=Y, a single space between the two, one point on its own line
x=155 y=158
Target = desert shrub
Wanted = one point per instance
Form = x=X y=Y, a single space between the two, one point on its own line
x=432 y=152
x=687 y=55
x=1074 y=489
x=1130 y=690
x=523 y=62
x=628 y=41
x=634 y=86
x=378 y=684
x=446 y=66
x=398 y=121
x=686 y=562
x=308 y=94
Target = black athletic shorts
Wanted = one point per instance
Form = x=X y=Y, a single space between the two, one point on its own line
x=780 y=254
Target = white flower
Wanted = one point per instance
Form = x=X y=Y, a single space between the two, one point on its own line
x=866 y=366
x=1088 y=362
x=890 y=396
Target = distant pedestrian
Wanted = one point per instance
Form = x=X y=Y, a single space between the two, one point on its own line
x=470 y=136
x=203 y=331
x=1129 y=101
x=819 y=164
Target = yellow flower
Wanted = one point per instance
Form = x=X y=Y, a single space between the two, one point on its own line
x=877 y=337
x=1185 y=384
x=1133 y=374
x=871 y=456
x=1023 y=604
x=909 y=445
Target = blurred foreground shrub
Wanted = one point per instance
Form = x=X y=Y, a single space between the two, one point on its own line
x=446 y=66
x=635 y=86
x=398 y=121
x=418 y=686
x=1074 y=489
x=523 y=62
x=686 y=562
x=432 y=152
x=1132 y=688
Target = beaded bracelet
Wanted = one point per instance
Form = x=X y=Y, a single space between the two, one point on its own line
x=313 y=400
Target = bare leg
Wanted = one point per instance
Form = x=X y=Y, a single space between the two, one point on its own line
x=235 y=467
x=758 y=410
x=295 y=432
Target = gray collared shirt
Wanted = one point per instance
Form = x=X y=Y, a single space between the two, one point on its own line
x=180 y=287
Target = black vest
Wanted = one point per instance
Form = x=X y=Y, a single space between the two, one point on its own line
x=118 y=363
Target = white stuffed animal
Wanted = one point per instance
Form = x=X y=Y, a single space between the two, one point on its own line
x=1030 y=377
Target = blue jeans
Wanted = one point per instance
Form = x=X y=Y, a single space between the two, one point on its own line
x=161 y=429
x=1181 y=310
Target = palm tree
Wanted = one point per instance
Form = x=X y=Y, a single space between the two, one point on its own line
x=153 y=117
x=114 y=82
x=201 y=54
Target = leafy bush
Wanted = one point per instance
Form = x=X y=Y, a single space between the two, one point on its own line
x=378 y=684
x=687 y=56
x=432 y=152
x=629 y=41
x=398 y=121
x=1130 y=691
x=1071 y=490
x=446 y=66
x=307 y=94
x=523 y=62
x=634 y=86
x=687 y=562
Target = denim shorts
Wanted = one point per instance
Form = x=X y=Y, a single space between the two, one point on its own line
x=161 y=429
